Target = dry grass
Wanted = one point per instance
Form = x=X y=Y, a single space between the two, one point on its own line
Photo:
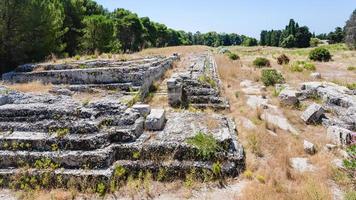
x=267 y=155
x=35 y=86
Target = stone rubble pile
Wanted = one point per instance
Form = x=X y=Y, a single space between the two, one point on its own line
x=199 y=86
x=337 y=113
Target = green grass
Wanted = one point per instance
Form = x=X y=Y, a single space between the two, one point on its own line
x=206 y=144
x=207 y=80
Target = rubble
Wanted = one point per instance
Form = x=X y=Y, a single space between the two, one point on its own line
x=338 y=135
x=309 y=147
x=313 y=114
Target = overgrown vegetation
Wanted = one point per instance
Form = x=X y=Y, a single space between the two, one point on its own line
x=283 y=59
x=271 y=77
x=233 y=56
x=300 y=66
x=207 y=80
x=320 y=54
x=206 y=144
x=261 y=62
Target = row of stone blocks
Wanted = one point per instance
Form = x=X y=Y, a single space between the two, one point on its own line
x=127 y=76
x=198 y=87
x=90 y=141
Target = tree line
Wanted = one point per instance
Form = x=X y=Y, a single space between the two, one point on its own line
x=292 y=36
x=31 y=30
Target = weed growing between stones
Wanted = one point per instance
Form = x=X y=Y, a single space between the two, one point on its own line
x=59 y=132
x=206 y=145
x=207 y=80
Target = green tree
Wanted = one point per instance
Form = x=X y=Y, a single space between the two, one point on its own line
x=129 y=30
x=302 y=37
x=288 y=42
x=98 y=34
x=150 y=34
x=30 y=30
x=350 y=30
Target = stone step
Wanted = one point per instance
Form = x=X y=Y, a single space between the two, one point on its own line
x=97 y=159
x=205 y=99
x=45 y=141
x=83 y=179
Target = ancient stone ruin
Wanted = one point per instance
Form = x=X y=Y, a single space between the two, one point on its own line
x=199 y=86
x=67 y=142
x=337 y=112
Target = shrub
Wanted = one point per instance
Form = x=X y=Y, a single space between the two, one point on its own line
x=261 y=62
x=271 y=77
x=233 y=56
x=206 y=144
x=320 y=54
x=296 y=68
x=314 y=42
x=283 y=59
x=299 y=66
x=248 y=174
x=351 y=86
x=351 y=68
x=261 y=179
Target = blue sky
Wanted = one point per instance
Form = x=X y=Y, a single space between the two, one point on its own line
x=247 y=17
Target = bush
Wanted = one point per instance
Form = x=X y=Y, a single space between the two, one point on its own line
x=271 y=77
x=206 y=144
x=283 y=59
x=351 y=68
x=233 y=56
x=314 y=42
x=299 y=66
x=320 y=54
x=261 y=62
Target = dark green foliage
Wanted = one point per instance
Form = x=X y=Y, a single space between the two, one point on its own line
x=33 y=30
x=350 y=31
x=271 y=77
x=320 y=54
x=98 y=34
x=283 y=59
x=233 y=56
x=291 y=36
x=261 y=62
x=29 y=30
x=249 y=42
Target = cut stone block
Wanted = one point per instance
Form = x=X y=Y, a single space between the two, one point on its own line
x=155 y=121
x=143 y=109
x=338 y=135
x=175 y=90
x=315 y=75
x=289 y=97
x=313 y=114
x=309 y=147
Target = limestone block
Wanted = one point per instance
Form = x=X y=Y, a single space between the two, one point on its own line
x=309 y=147
x=289 y=97
x=313 y=114
x=338 y=135
x=143 y=109
x=156 y=120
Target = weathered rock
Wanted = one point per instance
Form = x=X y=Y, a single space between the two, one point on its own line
x=330 y=147
x=155 y=120
x=315 y=75
x=313 y=114
x=143 y=109
x=289 y=97
x=198 y=87
x=338 y=135
x=301 y=164
x=309 y=147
